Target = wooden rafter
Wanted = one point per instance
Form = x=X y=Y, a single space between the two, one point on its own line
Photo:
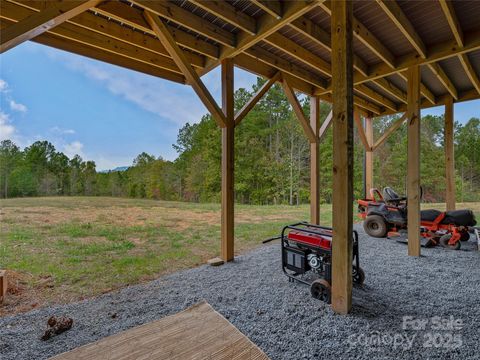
x=264 y=56
x=101 y=55
x=38 y=23
x=361 y=131
x=192 y=77
x=449 y=11
x=320 y=37
x=293 y=49
x=395 y=13
x=444 y=79
x=272 y=7
x=297 y=109
x=391 y=89
x=266 y=26
x=470 y=71
x=134 y=17
x=373 y=95
x=255 y=98
x=88 y=37
x=172 y=12
x=228 y=13
x=397 y=123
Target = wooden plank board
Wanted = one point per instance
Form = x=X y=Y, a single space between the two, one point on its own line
x=198 y=332
x=413 y=155
x=342 y=85
x=3 y=285
x=369 y=156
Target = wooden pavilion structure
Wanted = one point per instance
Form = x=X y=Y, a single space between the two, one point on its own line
x=378 y=57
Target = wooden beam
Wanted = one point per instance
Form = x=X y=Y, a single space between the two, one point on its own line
x=90 y=38
x=443 y=78
x=228 y=196
x=369 y=156
x=132 y=16
x=361 y=132
x=285 y=66
x=192 y=77
x=300 y=53
x=187 y=19
x=325 y=125
x=266 y=26
x=314 y=162
x=449 y=156
x=373 y=95
x=470 y=71
x=272 y=7
x=413 y=156
x=396 y=124
x=391 y=89
x=297 y=109
x=395 y=13
x=261 y=68
x=38 y=23
x=255 y=98
x=100 y=25
x=367 y=38
x=101 y=55
x=320 y=37
x=436 y=53
x=342 y=84
x=229 y=14
x=449 y=11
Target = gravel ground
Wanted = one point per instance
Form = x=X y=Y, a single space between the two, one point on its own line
x=282 y=318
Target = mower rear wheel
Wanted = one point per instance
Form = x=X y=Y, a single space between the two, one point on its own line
x=358 y=275
x=321 y=290
x=375 y=226
x=464 y=236
x=444 y=242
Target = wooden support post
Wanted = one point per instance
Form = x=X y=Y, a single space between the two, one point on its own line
x=3 y=285
x=413 y=170
x=449 y=156
x=227 y=247
x=342 y=87
x=314 y=162
x=369 y=156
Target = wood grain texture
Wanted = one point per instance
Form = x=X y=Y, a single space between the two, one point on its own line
x=314 y=162
x=449 y=156
x=198 y=333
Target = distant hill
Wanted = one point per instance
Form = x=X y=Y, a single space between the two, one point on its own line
x=118 y=168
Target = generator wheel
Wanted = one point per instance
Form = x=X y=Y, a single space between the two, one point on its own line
x=444 y=242
x=320 y=290
x=375 y=226
x=464 y=236
x=358 y=275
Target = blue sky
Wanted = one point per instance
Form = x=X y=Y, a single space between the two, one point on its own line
x=103 y=112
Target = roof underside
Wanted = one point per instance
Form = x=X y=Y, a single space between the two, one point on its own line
x=288 y=36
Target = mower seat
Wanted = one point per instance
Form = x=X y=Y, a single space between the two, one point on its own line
x=460 y=218
x=456 y=217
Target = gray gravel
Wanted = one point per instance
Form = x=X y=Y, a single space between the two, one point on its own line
x=281 y=317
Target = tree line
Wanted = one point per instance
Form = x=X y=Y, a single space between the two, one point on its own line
x=271 y=161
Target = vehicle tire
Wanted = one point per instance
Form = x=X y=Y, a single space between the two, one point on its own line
x=464 y=236
x=444 y=242
x=358 y=275
x=375 y=226
x=321 y=290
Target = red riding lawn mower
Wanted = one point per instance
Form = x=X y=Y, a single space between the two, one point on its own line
x=386 y=215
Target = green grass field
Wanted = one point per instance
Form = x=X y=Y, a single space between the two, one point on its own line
x=62 y=249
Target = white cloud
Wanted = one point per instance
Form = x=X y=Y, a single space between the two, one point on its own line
x=73 y=148
x=7 y=130
x=175 y=102
x=60 y=131
x=17 y=106
x=3 y=85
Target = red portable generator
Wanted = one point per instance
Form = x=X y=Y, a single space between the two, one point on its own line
x=307 y=257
